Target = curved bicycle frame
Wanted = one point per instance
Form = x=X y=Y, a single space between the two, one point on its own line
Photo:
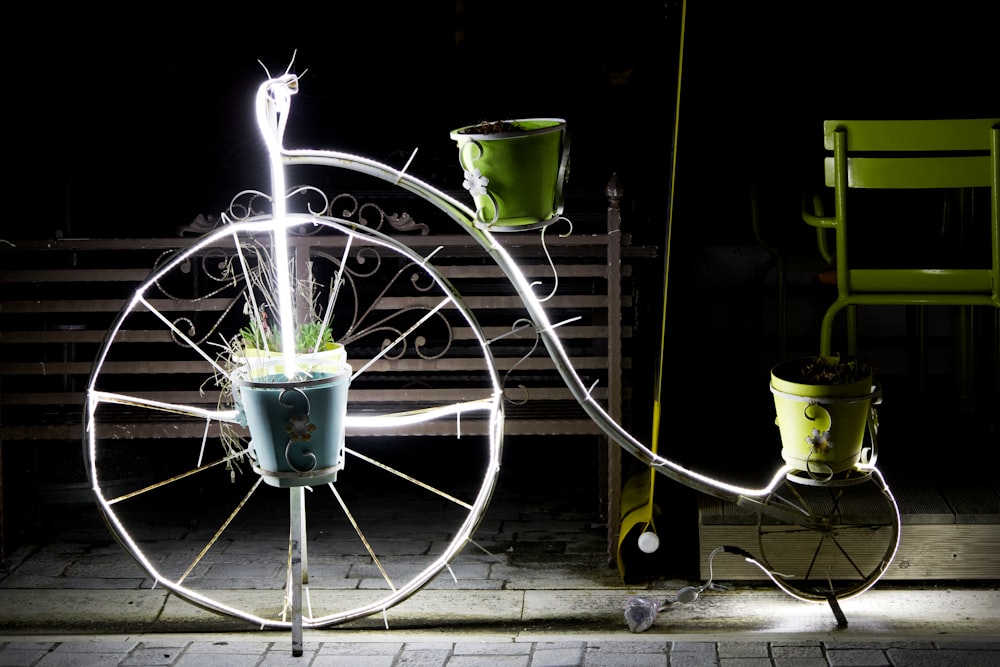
x=273 y=103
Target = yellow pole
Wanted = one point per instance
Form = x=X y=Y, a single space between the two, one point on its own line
x=666 y=251
x=637 y=494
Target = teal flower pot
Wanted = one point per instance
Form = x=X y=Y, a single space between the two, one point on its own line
x=296 y=426
x=515 y=175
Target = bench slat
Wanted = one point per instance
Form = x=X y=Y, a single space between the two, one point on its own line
x=216 y=305
x=429 y=394
x=160 y=367
x=94 y=336
x=187 y=431
x=135 y=276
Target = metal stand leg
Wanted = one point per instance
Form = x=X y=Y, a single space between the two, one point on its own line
x=837 y=611
x=296 y=547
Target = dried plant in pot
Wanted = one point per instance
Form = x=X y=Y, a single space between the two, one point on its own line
x=822 y=407
x=294 y=405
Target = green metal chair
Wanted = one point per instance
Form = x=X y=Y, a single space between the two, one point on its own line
x=944 y=157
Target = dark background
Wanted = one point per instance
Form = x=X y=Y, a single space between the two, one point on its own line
x=130 y=122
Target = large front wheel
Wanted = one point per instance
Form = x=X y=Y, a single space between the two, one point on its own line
x=421 y=457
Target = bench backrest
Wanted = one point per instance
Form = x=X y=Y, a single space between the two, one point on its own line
x=60 y=297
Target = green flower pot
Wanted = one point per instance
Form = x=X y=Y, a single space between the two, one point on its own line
x=296 y=426
x=515 y=175
x=822 y=426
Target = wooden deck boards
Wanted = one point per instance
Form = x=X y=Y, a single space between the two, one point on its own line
x=950 y=531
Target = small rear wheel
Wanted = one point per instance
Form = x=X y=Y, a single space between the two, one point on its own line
x=848 y=548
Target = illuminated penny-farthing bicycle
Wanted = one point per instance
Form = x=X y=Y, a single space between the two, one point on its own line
x=806 y=545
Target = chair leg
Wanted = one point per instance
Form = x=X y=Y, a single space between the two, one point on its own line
x=916 y=361
x=964 y=354
x=782 y=307
x=852 y=331
x=993 y=362
x=826 y=329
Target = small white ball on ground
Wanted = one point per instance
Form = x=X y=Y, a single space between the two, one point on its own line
x=649 y=542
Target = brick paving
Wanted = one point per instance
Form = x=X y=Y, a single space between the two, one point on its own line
x=545 y=597
x=489 y=651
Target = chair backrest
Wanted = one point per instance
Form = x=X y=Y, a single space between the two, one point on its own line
x=908 y=155
x=891 y=154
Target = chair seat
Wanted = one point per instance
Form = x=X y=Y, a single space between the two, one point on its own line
x=936 y=281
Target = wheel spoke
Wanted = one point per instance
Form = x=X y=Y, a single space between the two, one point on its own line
x=847 y=552
x=180 y=334
x=175 y=478
x=807 y=576
x=218 y=533
x=412 y=480
x=799 y=504
x=395 y=420
x=97 y=397
x=401 y=337
x=361 y=535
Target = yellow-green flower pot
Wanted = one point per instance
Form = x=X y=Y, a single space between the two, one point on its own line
x=515 y=174
x=822 y=426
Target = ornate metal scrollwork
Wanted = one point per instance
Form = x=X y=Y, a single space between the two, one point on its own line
x=245 y=279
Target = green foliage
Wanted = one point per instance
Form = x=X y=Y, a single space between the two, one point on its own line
x=256 y=333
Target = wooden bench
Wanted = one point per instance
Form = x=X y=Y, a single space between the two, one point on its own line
x=61 y=296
